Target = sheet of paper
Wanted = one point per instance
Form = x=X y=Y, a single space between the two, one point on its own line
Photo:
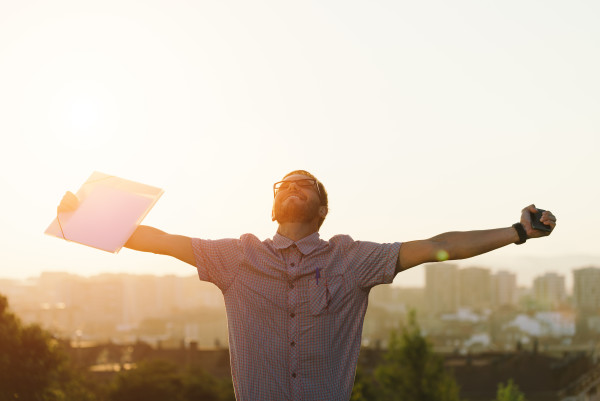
x=110 y=210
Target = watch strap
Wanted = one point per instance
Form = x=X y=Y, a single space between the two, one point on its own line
x=522 y=233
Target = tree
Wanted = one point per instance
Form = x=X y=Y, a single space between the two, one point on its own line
x=363 y=389
x=159 y=380
x=510 y=392
x=200 y=385
x=412 y=371
x=32 y=365
x=151 y=381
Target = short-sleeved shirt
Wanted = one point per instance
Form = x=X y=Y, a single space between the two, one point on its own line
x=295 y=310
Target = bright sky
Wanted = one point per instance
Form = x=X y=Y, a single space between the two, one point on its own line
x=419 y=116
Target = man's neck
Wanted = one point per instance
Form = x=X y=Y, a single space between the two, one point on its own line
x=297 y=231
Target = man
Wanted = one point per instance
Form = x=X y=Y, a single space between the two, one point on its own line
x=296 y=303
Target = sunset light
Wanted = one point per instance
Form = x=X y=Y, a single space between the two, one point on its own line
x=415 y=127
x=275 y=200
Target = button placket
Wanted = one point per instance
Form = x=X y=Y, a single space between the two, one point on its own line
x=293 y=320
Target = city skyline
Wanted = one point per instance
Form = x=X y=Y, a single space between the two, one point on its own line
x=443 y=267
x=113 y=322
x=126 y=307
x=527 y=267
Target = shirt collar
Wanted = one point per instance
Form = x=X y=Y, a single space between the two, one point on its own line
x=306 y=245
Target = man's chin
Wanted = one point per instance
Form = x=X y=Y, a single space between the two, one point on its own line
x=287 y=219
x=293 y=218
x=292 y=212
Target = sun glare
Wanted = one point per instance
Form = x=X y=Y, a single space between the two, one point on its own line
x=83 y=115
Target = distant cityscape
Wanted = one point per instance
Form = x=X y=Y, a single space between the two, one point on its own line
x=461 y=310
x=471 y=309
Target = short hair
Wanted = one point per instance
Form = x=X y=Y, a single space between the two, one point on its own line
x=322 y=192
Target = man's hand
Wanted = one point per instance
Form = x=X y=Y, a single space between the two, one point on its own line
x=547 y=218
x=69 y=203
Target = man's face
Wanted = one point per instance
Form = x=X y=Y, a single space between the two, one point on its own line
x=295 y=203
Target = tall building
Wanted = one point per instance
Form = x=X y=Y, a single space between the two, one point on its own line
x=56 y=287
x=398 y=299
x=475 y=285
x=586 y=290
x=549 y=290
x=441 y=288
x=104 y=299
x=504 y=289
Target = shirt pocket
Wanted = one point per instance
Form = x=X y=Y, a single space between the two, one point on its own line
x=324 y=295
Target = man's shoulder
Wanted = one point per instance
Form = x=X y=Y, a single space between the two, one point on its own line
x=346 y=241
x=341 y=238
x=250 y=237
x=251 y=240
x=244 y=240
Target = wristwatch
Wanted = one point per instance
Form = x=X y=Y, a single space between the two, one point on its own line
x=522 y=233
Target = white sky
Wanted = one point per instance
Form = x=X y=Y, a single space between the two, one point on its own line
x=419 y=116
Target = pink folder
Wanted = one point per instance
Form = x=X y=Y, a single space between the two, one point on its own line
x=110 y=209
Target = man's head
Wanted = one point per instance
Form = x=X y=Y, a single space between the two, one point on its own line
x=299 y=197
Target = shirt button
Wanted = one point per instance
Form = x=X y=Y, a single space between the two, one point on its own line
x=291 y=285
x=292 y=264
x=292 y=314
x=292 y=343
x=293 y=375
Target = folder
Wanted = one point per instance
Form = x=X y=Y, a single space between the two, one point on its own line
x=110 y=209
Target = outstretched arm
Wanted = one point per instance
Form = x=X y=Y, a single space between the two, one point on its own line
x=145 y=238
x=150 y=239
x=466 y=244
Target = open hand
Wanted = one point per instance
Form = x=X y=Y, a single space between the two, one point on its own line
x=547 y=218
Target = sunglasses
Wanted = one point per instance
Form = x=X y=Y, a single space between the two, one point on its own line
x=304 y=182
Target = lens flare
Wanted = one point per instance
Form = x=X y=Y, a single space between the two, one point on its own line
x=441 y=255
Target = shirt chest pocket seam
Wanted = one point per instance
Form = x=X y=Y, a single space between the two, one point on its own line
x=325 y=293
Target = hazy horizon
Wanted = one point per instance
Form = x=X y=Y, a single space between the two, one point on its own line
x=525 y=268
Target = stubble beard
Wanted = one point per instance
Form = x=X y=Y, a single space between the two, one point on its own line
x=295 y=212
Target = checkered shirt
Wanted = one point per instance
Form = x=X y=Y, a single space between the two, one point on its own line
x=295 y=310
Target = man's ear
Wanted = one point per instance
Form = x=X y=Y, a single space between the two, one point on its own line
x=323 y=210
x=273 y=214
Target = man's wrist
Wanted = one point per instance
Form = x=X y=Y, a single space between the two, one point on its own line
x=521 y=233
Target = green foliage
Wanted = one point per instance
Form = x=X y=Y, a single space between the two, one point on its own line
x=32 y=366
x=412 y=371
x=510 y=392
x=363 y=389
x=151 y=381
x=158 y=380
x=199 y=385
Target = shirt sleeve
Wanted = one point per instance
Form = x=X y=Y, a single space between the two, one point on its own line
x=217 y=261
x=374 y=263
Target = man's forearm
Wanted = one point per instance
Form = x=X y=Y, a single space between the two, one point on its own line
x=150 y=239
x=466 y=244
x=145 y=239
